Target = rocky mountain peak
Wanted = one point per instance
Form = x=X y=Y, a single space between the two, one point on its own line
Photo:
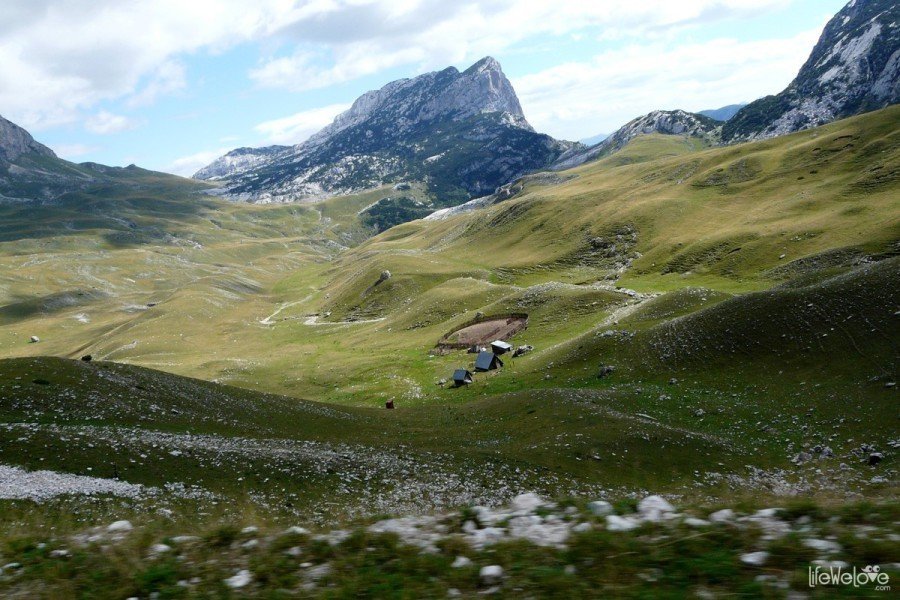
x=853 y=68
x=488 y=63
x=461 y=133
x=15 y=141
x=482 y=88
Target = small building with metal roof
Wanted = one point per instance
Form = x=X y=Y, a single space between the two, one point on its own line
x=500 y=347
x=487 y=361
x=462 y=377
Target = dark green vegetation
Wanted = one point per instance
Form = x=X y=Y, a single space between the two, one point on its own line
x=669 y=560
x=389 y=211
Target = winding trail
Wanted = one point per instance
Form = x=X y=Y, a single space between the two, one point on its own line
x=268 y=320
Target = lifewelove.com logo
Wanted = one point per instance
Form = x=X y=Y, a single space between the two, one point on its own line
x=870 y=576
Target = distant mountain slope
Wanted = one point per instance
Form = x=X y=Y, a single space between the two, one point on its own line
x=669 y=122
x=462 y=133
x=854 y=68
x=724 y=113
x=15 y=141
x=31 y=171
x=594 y=139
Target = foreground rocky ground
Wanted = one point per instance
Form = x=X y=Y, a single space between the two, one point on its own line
x=531 y=548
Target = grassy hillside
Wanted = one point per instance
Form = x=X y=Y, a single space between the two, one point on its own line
x=712 y=324
x=240 y=293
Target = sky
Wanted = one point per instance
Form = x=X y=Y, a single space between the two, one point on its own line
x=172 y=84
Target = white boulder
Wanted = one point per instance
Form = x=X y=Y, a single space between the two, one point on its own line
x=120 y=527
x=241 y=579
x=527 y=502
x=617 y=523
x=600 y=508
x=491 y=574
x=755 y=559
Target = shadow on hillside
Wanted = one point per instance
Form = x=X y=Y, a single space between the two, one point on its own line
x=25 y=307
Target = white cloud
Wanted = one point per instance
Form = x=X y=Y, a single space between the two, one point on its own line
x=170 y=77
x=78 y=53
x=105 y=123
x=435 y=33
x=576 y=100
x=190 y=164
x=299 y=126
x=73 y=151
x=62 y=58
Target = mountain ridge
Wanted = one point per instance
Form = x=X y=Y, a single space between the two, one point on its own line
x=16 y=141
x=854 y=67
x=669 y=122
x=463 y=133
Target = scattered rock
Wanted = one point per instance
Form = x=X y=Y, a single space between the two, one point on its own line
x=801 y=457
x=491 y=574
x=318 y=572
x=241 y=579
x=160 y=549
x=600 y=508
x=527 y=502
x=695 y=522
x=655 y=508
x=722 y=516
x=120 y=527
x=34 y=339
x=461 y=561
x=755 y=559
x=185 y=539
x=605 y=371
x=522 y=350
x=617 y=523
x=385 y=275
x=875 y=458
x=822 y=545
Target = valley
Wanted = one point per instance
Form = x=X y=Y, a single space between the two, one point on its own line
x=431 y=352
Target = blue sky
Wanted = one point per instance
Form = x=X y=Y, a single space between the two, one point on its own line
x=170 y=85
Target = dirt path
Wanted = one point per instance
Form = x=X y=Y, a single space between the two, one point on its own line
x=268 y=320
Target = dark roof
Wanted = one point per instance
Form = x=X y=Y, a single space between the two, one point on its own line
x=462 y=375
x=487 y=361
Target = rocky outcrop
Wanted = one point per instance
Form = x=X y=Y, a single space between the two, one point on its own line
x=668 y=122
x=239 y=161
x=853 y=68
x=15 y=141
x=462 y=133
